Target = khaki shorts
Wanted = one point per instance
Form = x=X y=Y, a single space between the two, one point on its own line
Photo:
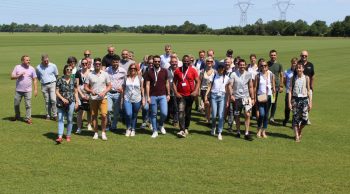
x=98 y=105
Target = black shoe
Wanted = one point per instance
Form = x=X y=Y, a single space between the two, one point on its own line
x=248 y=138
x=284 y=123
x=238 y=135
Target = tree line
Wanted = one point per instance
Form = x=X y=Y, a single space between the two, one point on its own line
x=272 y=28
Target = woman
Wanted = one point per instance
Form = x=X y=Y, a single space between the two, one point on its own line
x=265 y=88
x=72 y=61
x=219 y=87
x=300 y=100
x=206 y=76
x=133 y=97
x=67 y=95
x=253 y=68
x=83 y=96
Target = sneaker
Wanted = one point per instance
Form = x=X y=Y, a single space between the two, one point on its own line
x=219 y=136
x=127 y=133
x=47 y=117
x=238 y=135
x=212 y=132
x=162 y=130
x=132 y=134
x=95 y=136
x=59 y=140
x=272 y=120
x=78 y=131
x=248 y=137
x=29 y=121
x=234 y=122
x=155 y=134
x=186 y=132
x=181 y=134
x=89 y=127
x=144 y=125
x=104 y=137
x=68 y=138
x=309 y=122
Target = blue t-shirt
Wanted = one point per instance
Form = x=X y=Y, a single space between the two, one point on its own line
x=288 y=75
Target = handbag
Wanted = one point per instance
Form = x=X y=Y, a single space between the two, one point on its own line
x=262 y=98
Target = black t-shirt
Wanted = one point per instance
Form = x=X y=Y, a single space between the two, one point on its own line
x=78 y=76
x=309 y=71
x=107 y=60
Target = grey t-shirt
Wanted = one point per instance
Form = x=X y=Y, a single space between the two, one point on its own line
x=240 y=84
x=126 y=64
x=98 y=83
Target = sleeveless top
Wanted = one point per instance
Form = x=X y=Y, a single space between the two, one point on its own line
x=132 y=91
x=300 y=88
x=263 y=82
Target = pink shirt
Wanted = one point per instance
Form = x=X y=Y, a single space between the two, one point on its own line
x=24 y=83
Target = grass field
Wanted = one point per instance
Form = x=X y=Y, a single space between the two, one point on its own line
x=31 y=162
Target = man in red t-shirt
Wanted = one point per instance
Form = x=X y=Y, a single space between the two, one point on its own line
x=186 y=86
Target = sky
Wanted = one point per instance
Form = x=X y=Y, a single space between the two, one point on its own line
x=214 y=13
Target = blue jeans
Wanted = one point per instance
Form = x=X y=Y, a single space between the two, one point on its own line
x=131 y=110
x=217 y=107
x=145 y=112
x=68 y=112
x=162 y=102
x=264 y=113
x=113 y=106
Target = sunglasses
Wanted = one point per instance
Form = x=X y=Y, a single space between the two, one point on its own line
x=303 y=55
x=87 y=54
x=84 y=63
x=209 y=61
x=68 y=69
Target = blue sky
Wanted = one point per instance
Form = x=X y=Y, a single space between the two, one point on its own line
x=215 y=14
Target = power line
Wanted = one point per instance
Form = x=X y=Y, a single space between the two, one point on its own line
x=243 y=6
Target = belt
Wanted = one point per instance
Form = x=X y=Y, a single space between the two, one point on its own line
x=48 y=83
x=113 y=92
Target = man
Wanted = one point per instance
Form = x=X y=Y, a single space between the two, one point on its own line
x=243 y=97
x=210 y=53
x=87 y=55
x=229 y=54
x=276 y=68
x=308 y=71
x=125 y=62
x=25 y=76
x=107 y=59
x=97 y=84
x=186 y=86
x=117 y=76
x=165 y=58
x=199 y=64
x=172 y=104
x=47 y=74
x=157 y=94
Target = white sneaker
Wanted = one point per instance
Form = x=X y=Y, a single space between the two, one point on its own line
x=128 y=132
x=186 y=131
x=162 y=130
x=95 y=136
x=219 y=137
x=155 y=134
x=181 y=134
x=78 y=131
x=212 y=132
x=89 y=127
x=104 y=137
x=144 y=125
x=132 y=134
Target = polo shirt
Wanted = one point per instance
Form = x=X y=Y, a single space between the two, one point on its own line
x=157 y=86
x=24 y=83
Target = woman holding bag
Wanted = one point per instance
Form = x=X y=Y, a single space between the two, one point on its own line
x=265 y=89
x=67 y=96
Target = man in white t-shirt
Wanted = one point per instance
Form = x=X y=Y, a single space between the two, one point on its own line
x=243 y=95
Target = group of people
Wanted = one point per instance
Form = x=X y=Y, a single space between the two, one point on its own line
x=117 y=88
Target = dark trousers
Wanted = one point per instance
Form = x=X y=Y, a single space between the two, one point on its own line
x=286 y=109
x=173 y=109
x=185 y=107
